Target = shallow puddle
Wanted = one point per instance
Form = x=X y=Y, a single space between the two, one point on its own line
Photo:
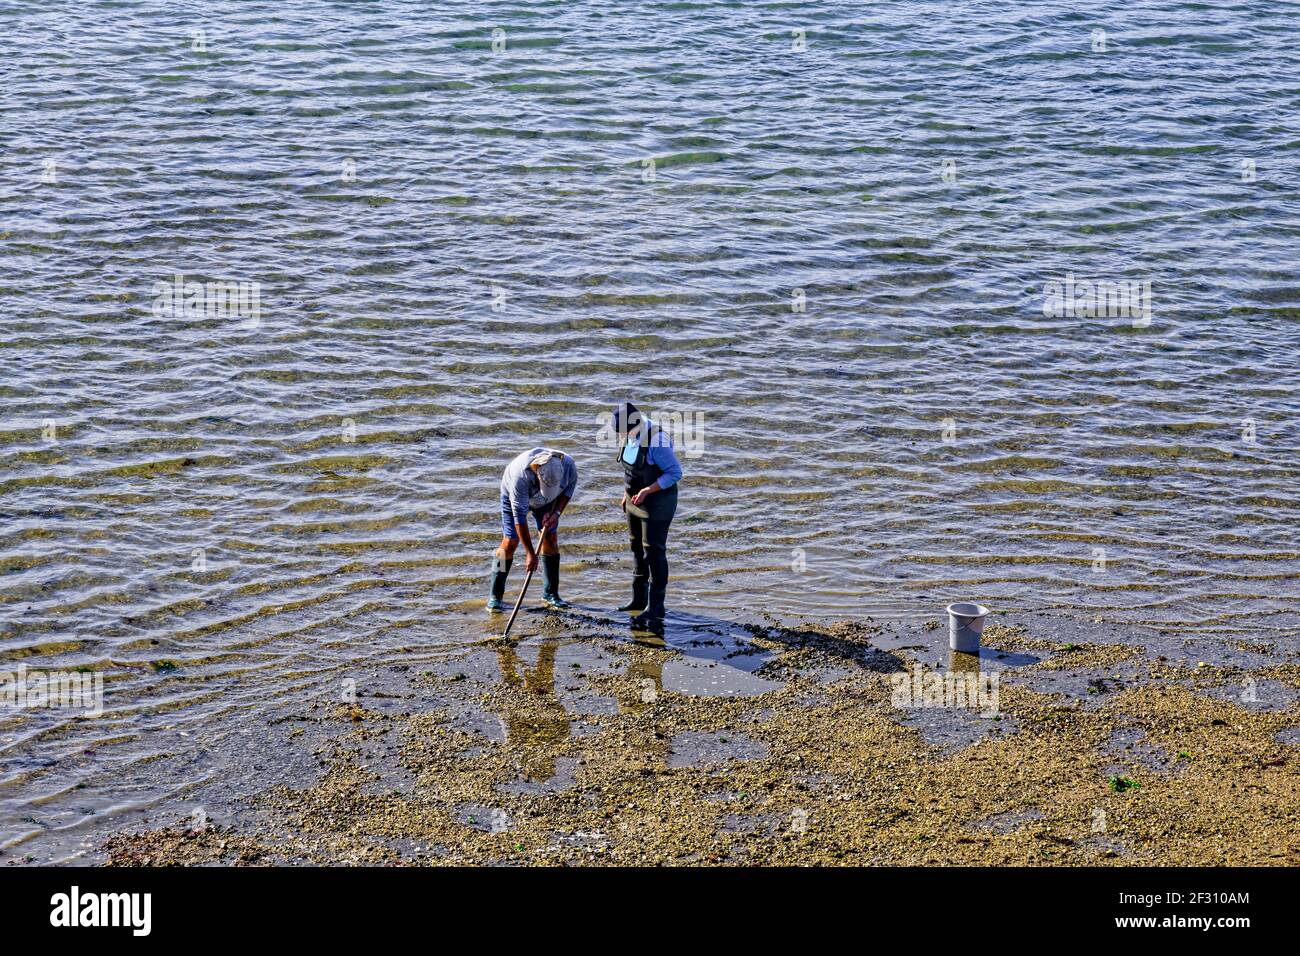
x=562 y=779
x=1135 y=752
x=1253 y=694
x=1007 y=821
x=701 y=749
x=1289 y=736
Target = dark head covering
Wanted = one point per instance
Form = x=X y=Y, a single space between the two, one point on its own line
x=626 y=418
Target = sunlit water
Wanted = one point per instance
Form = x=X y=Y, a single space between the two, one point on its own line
x=820 y=232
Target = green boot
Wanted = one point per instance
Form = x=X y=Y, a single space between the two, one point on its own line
x=498 y=584
x=551 y=591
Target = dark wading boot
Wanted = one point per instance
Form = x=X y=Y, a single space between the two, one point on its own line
x=639 y=594
x=551 y=572
x=653 y=618
x=498 y=584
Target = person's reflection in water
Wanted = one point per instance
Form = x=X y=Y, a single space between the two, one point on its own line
x=647 y=675
x=644 y=690
x=537 y=721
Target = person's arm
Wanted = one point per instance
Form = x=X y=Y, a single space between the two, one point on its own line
x=672 y=472
x=570 y=486
x=571 y=473
x=530 y=553
x=519 y=505
x=552 y=517
x=639 y=498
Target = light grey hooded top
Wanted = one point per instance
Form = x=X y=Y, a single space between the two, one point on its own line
x=522 y=486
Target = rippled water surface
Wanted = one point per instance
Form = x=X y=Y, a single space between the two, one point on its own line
x=831 y=260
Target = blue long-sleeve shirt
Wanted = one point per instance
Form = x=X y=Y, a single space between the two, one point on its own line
x=519 y=483
x=661 y=453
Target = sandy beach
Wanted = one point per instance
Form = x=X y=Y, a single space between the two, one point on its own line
x=785 y=747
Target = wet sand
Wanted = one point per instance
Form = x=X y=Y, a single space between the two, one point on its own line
x=581 y=742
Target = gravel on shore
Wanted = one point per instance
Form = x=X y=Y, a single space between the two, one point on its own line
x=572 y=746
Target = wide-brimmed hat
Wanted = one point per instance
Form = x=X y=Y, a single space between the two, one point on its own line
x=550 y=473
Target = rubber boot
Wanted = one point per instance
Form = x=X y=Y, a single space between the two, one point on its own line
x=654 y=611
x=638 y=594
x=551 y=573
x=498 y=584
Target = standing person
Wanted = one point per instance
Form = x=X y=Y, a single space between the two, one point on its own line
x=541 y=481
x=650 y=475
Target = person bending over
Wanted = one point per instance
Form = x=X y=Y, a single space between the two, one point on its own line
x=541 y=481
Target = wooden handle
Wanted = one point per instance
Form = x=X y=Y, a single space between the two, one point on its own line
x=522 y=591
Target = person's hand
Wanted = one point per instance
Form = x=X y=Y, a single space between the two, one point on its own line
x=530 y=562
x=639 y=498
x=551 y=519
x=623 y=504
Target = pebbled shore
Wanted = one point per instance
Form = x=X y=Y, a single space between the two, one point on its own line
x=781 y=745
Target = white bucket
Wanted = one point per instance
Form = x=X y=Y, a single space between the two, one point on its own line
x=965 y=625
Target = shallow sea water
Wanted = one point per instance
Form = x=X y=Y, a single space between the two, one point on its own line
x=830 y=263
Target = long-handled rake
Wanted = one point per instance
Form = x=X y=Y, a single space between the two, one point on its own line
x=518 y=604
x=545 y=530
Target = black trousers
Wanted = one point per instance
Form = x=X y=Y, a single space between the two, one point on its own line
x=649 y=540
